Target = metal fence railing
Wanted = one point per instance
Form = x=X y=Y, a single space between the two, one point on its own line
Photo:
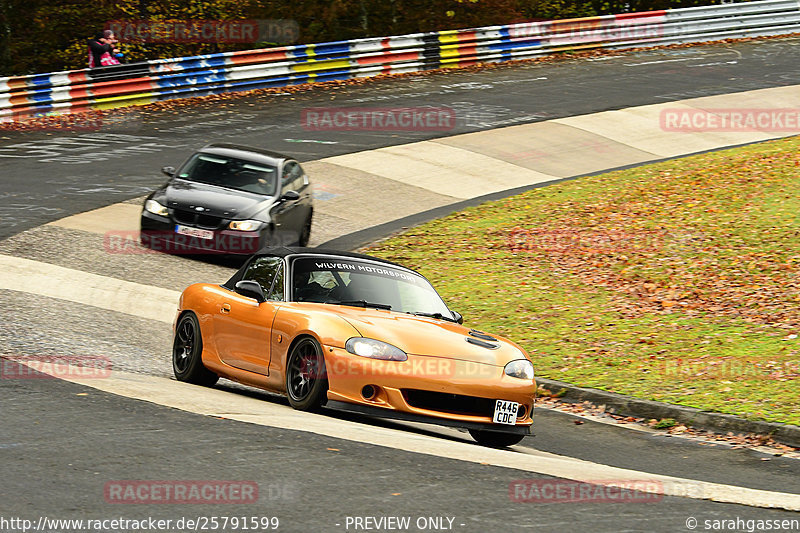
x=141 y=83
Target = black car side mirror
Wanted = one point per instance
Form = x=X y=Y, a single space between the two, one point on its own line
x=290 y=196
x=169 y=171
x=251 y=289
x=457 y=317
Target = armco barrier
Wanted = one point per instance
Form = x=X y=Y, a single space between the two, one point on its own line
x=141 y=83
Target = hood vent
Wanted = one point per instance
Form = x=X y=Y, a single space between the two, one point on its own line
x=482 y=344
x=481 y=335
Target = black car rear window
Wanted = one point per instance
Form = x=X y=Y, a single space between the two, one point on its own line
x=231 y=173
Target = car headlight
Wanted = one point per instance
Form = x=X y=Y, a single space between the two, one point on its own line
x=156 y=208
x=374 y=349
x=245 y=225
x=519 y=368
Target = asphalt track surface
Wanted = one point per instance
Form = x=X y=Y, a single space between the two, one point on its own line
x=50 y=175
x=61 y=442
x=309 y=483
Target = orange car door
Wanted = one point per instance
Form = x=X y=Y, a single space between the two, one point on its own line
x=242 y=332
x=242 y=325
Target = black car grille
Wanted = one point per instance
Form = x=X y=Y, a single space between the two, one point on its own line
x=449 y=403
x=198 y=220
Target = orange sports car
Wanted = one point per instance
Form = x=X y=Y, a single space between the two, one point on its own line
x=355 y=333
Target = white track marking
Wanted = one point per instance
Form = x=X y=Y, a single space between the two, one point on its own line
x=442 y=169
x=218 y=403
x=54 y=281
x=123 y=217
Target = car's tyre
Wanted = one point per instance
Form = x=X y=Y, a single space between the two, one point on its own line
x=187 y=349
x=306 y=379
x=495 y=439
x=305 y=233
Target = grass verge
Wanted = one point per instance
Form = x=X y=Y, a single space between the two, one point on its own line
x=677 y=281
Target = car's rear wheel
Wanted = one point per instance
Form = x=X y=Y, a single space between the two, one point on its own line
x=305 y=233
x=495 y=439
x=187 y=350
x=306 y=380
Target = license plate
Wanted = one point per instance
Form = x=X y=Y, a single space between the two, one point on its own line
x=505 y=412
x=194 y=232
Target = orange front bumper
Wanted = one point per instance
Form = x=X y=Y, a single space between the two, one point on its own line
x=445 y=390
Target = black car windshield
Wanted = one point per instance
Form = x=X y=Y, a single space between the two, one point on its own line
x=365 y=284
x=231 y=173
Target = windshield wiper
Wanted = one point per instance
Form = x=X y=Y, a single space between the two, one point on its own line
x=361 y=303
x=440 y=316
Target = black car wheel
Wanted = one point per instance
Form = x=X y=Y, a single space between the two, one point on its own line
x=305 y=233
x=495 y=439
x=306 y=380
x=187 y=349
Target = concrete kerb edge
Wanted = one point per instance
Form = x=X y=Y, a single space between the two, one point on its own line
x=620 y=404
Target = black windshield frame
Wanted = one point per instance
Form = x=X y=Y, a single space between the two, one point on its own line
x=387 y=271
x=235 y=167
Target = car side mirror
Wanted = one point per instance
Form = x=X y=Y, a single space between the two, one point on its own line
x=169 y=171
x=457 y=317
x=251 y=289
x=290 y=196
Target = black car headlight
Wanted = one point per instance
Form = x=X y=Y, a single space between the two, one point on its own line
x=156 y=208
x=519 y=368
x=245 y=225
x=374 y=349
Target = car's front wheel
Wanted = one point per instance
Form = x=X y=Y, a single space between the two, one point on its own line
x=306 y=380
x=495 y=439
x=187 y=350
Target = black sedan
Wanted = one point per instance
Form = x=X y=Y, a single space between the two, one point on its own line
x=231 y=200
